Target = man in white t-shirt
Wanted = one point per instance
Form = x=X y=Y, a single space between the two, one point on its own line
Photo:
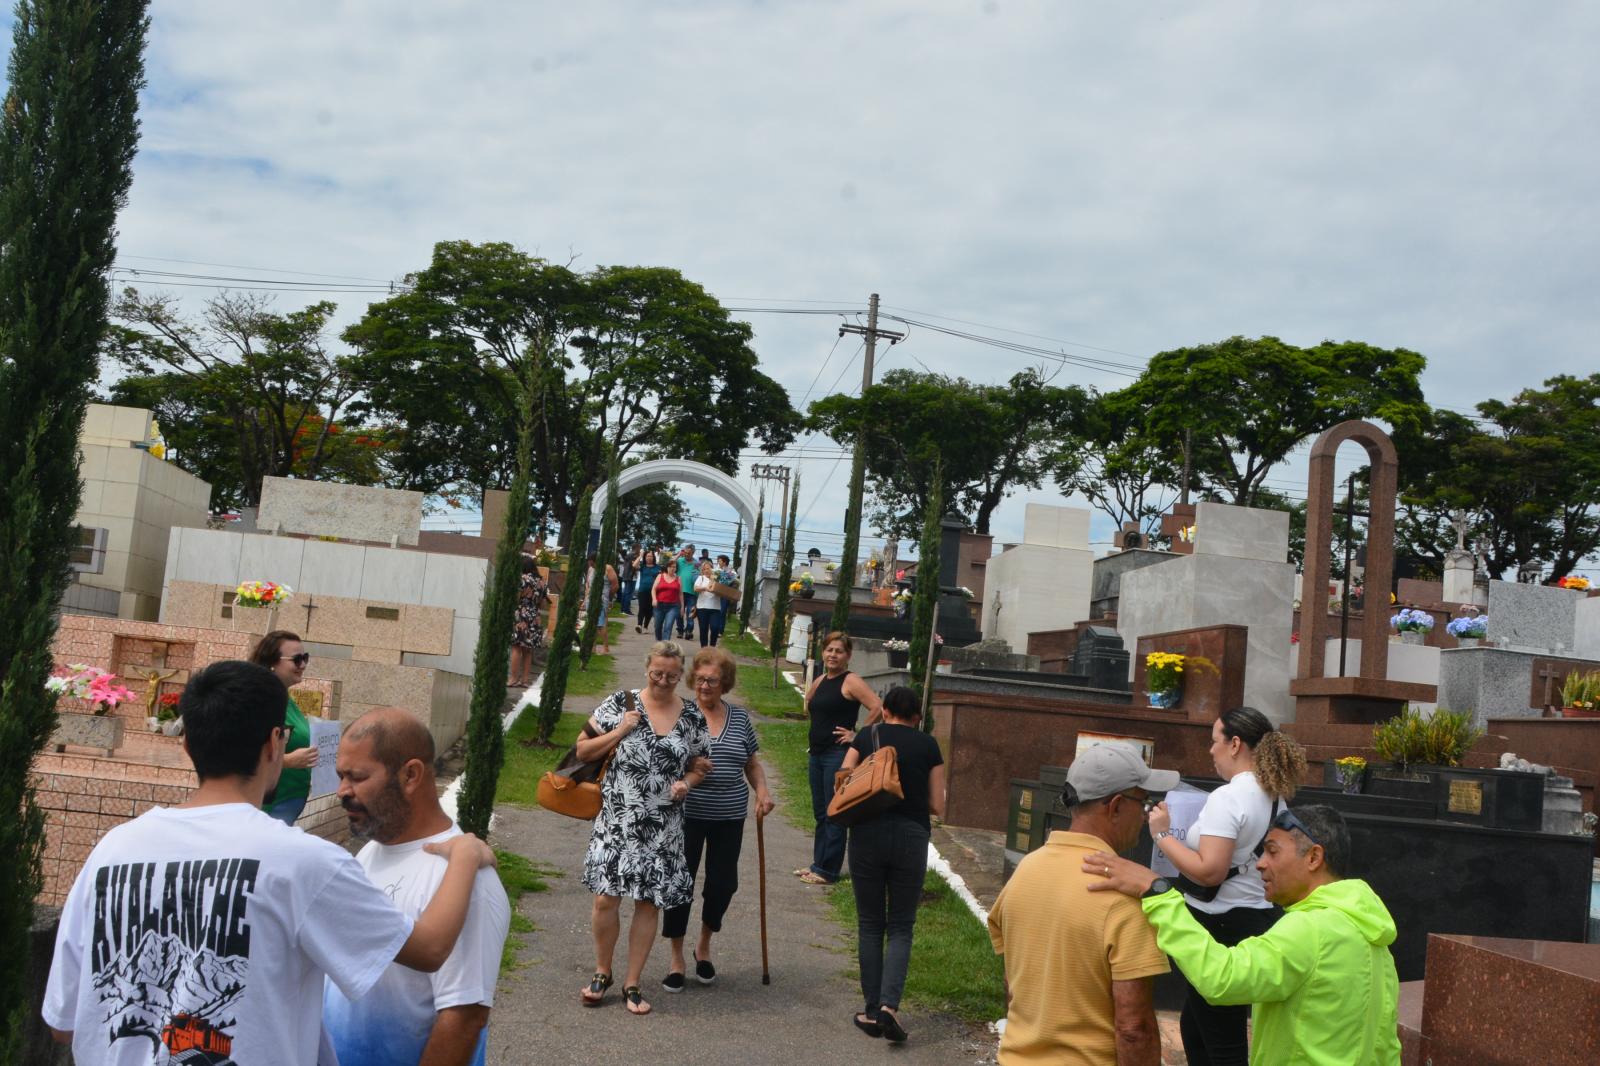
x=208 y=928
x=387 y=786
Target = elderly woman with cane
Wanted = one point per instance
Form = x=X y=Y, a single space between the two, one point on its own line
x=714 y=813
x=653 y=735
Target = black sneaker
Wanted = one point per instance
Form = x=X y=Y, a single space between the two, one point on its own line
x=673 y=982
x=704 y=972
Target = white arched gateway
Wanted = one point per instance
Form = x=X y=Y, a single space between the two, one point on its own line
x=699 y=474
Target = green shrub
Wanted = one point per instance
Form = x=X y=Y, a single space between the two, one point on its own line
x=1413 y=739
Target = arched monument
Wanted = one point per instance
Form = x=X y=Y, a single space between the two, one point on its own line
x=688 y=472
x=1368 y=696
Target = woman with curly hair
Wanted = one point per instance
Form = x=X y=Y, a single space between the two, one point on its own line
x=1261 y=767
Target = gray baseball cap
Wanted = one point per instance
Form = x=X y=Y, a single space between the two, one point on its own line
x=1106 y=769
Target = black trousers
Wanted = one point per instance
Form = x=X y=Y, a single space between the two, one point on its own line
x=721 y=842
x=888 y=861
x=646 y=606
x=1219 y=1036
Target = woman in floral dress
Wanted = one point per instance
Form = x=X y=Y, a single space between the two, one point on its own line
x=527 y=627
x=636 y=848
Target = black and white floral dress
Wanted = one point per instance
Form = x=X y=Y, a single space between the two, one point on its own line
x=636 y=849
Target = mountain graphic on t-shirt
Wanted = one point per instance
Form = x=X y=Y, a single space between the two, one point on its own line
x=143 y=993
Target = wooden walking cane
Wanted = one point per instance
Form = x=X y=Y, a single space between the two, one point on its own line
x=761 y=860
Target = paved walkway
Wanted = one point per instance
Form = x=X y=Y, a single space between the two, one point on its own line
x=803 y=1016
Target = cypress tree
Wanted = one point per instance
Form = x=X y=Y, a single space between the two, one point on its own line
x=68 y=134
x=780 y=605
x=606 y=552
x=553 y=686
x=750 y=569
x=925 y=601
x=844 y=575
x=491 y=657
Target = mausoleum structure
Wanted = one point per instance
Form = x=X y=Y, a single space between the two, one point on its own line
x=1045 y=580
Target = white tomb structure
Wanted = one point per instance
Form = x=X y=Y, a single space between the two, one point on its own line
x=1043 y=583
x=1239 y=574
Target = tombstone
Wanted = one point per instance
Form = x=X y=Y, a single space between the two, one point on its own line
x=347 y=512
x=1177 y=525
x=1533 y=617
x=1043 y=582
x=1237 y=574
x=1100 y=657
x=1460 y=566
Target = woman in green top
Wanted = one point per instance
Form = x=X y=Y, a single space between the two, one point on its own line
x=281 y=652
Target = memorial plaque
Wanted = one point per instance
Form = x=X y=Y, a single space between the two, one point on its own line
x=386 y=614
x=309 y=700
x=1025 y=799
x=1466 y=797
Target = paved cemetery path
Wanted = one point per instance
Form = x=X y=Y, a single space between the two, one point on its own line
x=803 y=1016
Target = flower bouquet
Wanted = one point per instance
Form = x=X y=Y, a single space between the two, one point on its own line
x=261 y=594
x=1163 y=671
x=1348 y=771
x=1468 y=631
x=1412 y=625
x=899 y=652
x=902 y=603
x=1573 y=582
x=89 y=683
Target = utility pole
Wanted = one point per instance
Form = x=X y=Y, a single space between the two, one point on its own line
x=846 y=574
x=779 y=473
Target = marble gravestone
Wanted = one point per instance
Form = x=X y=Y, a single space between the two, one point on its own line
x=1238 y=574
x=1533 y=617
x=345 y=512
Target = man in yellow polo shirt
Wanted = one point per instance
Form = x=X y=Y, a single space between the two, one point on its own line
x=1079 y=964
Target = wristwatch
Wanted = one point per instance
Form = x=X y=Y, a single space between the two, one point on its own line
x=1164 y=834
x=1159 y=886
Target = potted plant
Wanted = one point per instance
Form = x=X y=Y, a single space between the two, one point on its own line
x=1468 y=631
x=805 y=588
x=1412 y=624
x=1348 y=772
x=98 y=688
x=1580 y=695
x=1163 y=672
x=899 y=653
x=166 y=720
x=1425 y=755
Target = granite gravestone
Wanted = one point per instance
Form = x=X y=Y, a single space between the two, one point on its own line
x=1101 y=658
x=1533 y=617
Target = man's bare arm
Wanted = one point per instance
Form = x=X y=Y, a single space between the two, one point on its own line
x=455 y=1035
x=1138 y=1040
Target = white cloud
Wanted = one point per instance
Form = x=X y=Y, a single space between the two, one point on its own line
x=1137 y=177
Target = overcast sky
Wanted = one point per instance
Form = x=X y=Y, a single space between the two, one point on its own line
x=1120 y=178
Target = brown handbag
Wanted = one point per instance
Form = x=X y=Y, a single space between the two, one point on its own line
x=574 y=787
x=869 y=789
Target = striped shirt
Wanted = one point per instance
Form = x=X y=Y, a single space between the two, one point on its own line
x=724 y=795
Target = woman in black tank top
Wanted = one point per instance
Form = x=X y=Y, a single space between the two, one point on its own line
x=834 y=704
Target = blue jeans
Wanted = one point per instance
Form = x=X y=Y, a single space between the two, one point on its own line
x=827 y=848
x=666 y=618
x=625 y=597
x=287 y=811
x=710 y=623
x=888 y=859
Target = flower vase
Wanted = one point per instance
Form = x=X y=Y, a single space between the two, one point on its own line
x=1349 y=780
x=806 y=594
x=1467 y=642
x=259 y=620
x=1413 y=636
x=899 y=660
x=1166 y=698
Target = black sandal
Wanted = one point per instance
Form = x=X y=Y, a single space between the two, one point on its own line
x=595 y=994
x=867 y=1023
x=890 y=1025
x=633 y=997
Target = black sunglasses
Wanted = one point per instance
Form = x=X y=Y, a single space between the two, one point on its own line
x=1286 y=821
x=299 y=660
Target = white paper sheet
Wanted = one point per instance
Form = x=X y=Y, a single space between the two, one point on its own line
x=1185 y=809
x=325 y=738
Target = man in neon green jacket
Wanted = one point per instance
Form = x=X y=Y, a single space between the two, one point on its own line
x=1321 y=981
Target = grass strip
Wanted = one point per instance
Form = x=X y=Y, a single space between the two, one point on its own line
x=519 y=876
x=785 y=746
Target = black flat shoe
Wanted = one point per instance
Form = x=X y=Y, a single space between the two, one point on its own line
x=890 y=1025
x=673 y=982
x=704 y=972
x=867 y=1024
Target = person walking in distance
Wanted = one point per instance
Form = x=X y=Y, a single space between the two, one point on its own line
x=707 y=605
x=668 y=596
x=833 y=704
x=687 y=572
x=645 y=571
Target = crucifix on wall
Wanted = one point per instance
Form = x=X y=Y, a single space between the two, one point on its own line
x=310 y=605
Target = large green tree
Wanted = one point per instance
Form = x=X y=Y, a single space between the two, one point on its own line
x=1240 y=406
x=1526 y=474
x=68 y=135
x=245 y=392
x=1114 y=466
x=634 y=359
x=994 y=439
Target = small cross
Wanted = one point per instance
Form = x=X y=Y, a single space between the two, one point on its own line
x=1549 y=673
x=310 y=605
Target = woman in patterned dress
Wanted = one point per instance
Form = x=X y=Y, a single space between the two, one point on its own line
x=636 y=848
x=527 y=627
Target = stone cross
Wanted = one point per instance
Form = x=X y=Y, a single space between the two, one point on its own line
x=1548 y=673
x=310 y=605
x=1463 y=526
